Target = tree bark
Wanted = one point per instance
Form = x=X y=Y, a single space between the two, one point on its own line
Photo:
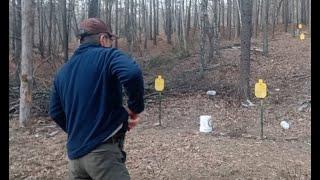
x=229 y=9
x=50 y=27
x=277 y=11
x=94 y=10
x=309 y=17
x=246 y=17
x=189 y=19
x=257 y=18
x=64 y=29
x=145 y=30
x=184 y=35
x=13 y=28
x=154 y=23
x=116 y=21
x=222 y=17
x=204 y=14
x=286 y=14
x=168 y=29
x=150 y=19
x=18 y=45
x=195 y=15
x=303 y=12
x=265 y=27
x=26 y=62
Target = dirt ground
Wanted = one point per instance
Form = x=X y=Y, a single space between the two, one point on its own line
x=177 y=150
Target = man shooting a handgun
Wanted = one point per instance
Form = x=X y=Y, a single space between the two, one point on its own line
x=86 y=102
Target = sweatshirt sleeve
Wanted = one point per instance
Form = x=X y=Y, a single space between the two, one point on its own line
x=130 y=76
x=55 y=110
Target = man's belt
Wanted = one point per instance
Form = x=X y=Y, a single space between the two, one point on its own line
x=115 y=139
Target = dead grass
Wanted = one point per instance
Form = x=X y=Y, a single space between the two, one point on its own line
x=177 y=150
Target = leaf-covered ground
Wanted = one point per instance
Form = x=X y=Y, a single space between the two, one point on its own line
x=177 y=150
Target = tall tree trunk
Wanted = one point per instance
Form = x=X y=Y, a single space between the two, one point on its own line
x=265 y=27
x=94 y=10
x=257 y=17
x=139 y=25
x=292 y=19
x=286 y=14
x=210 y=33
x=234 y=17
x=18 y=45
x=204 y=14
x=303 y=12
x=64 y=29
x=309 y=17
x=13 y=27
x=116 y=22
x=150 y=19
x=216 y=29
x=189 y=19
x=108 y=7
x=277 y=11
x=297 y=11
x=145 y=24
x=154 y=23
x=222 y=17
x=168 y=29
x=195 y=15
x=157 y=17
x=238 y=19
x=41 y=28
x=132 y=27
x=26 y=62
x=246 y=17
x=184 y=35
x=229 y=9
x=50 y=28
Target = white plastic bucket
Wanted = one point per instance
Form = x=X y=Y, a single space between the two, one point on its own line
x=205 y=124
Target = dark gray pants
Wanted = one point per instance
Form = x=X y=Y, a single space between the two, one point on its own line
x=106 y=162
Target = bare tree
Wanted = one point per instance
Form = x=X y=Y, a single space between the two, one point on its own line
x=189 y=19
x=257 y=17
x=18 y=46
x=26 y=62
x=184 y=35
x=150 y=19
x=154 y=23
x=204 y=14
x=265 y=27
x=229 y=9
x=94 y=10
x=309 y=15
x=303 y=12
x=145 y=28
x=246 y=17
x=64 y=30
x=222 y=17
x=168 y=29
x=275 y=15
x=50 y=27
x=286 y=15
x=195 y=15
x=116 y=21
x=12 y=28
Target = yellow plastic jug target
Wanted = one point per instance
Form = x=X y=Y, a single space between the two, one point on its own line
x=159 y=83
x=302 y=36
x=260 y=89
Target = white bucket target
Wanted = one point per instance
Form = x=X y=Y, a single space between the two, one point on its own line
x=205 y=124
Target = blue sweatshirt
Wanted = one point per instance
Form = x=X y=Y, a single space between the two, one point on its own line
x=86 y=98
